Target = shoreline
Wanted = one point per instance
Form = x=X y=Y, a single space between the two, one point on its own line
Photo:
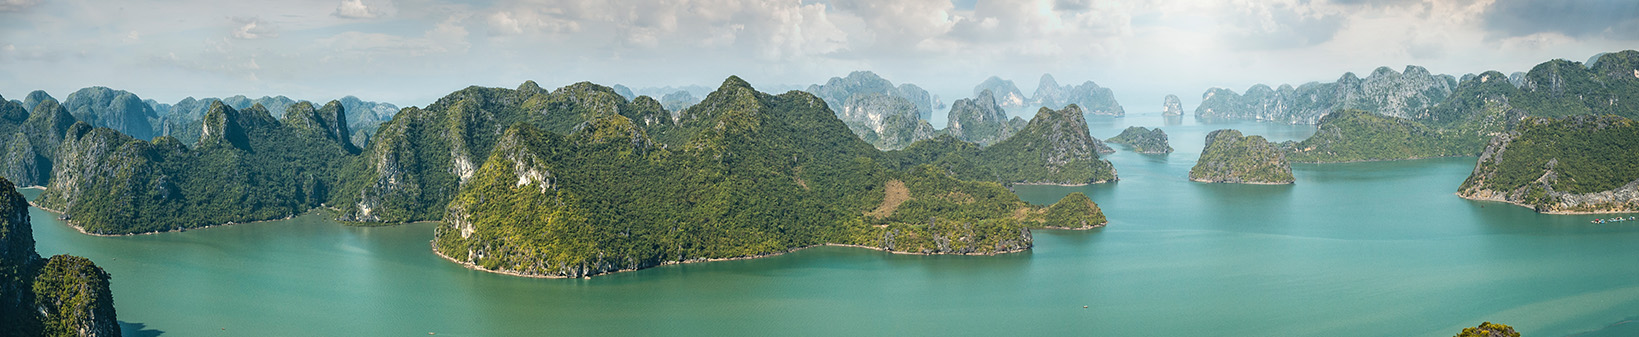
x=1534 y=209
x=1097 y=226
x=1378 y=160
x=474 y=266
x=71 y=224
x=1243 y=183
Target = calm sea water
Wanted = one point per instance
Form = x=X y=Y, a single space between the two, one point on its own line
x=1366 y=249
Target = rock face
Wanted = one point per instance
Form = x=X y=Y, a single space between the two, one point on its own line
x=34 y=98
x=63 y=296
x=979 y=120
x=247 y=166
x=1579 y=164
x=677 y=101
x=1232 y=158
x=1093 y=99
x=1386 y=92
x=838 y=90
x=1170 y=106
x=31 y=140
x=887 y=122
x=114 y=109
x=1003 y=92
x=1143 y=140
x=420 y=159
x=1053 y=148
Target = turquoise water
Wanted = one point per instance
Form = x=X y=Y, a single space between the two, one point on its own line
x=1366 y=249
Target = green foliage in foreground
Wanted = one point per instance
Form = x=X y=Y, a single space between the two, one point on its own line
x=1488 y=329
x=1355 y=135
x=749 y=174
x=74 y=299
x=1585 y=154
x=1231 y=158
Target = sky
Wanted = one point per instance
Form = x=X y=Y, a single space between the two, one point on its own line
x=410 y=52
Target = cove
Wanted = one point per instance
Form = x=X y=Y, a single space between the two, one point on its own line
x=1361 y=249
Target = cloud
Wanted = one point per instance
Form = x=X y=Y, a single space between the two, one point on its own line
x=354 y=9
x=1616 y=19
x=17 y=5
x=1280 y=25
x=252 y=29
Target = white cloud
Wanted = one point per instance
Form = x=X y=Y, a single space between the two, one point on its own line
x=17 y=5
x=252 y=29
x=354 y=9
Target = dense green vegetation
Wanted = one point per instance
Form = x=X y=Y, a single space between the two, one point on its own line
x=746 y=174
x=31 y=139
x=247 y=166
x=1143 y=140
x=73 y=297
x=1231 y=158
x=979 y=120
x=1545 y=162
x=1054 y=148
x=1355 y=135
x=1488 y=329
x=63 y=296
x=417 y=162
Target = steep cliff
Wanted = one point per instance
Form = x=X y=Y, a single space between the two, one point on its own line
x=887 y=122
x=61 y=296
x=1093 y=99
x=1004 y=93
x=419 y=160
x=247 y=166
x=31 y=140
x=1386 y=92
x=1171 y=106
x=1143 y=140
x=1053 y=148
x=1578 y=164
x=979 y=120
x=115 y=109
x=1232 y=158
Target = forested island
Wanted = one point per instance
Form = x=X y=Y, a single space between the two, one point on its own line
x=1232 y=158
x=1576 y=164
x=1143 y=140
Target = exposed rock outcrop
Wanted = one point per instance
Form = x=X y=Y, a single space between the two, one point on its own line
x=1399 y=94
x=1171 y=106
x=979 y=120
x=1579 y=164
x=62 y=296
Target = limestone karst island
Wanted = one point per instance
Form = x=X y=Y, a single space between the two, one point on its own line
x=819 y=168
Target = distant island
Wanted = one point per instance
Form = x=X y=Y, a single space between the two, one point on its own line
x=1232 y=158
x=1143 y=140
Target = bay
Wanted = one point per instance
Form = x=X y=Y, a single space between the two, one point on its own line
x=1361 y=249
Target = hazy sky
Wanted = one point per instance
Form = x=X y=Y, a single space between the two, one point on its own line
x=409 y=52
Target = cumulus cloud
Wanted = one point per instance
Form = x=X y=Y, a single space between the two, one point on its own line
x=354 y=9
x=1281 y=24
x=252 y=29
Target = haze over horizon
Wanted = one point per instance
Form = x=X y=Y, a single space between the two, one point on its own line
x=410 y=52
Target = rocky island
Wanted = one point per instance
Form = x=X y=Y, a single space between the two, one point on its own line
x=1232 y=158
x=1143 y=140
x=751 y=174
x=1576 y=164
x=64 y=295
x=1053 y=148
x=1171 y=106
